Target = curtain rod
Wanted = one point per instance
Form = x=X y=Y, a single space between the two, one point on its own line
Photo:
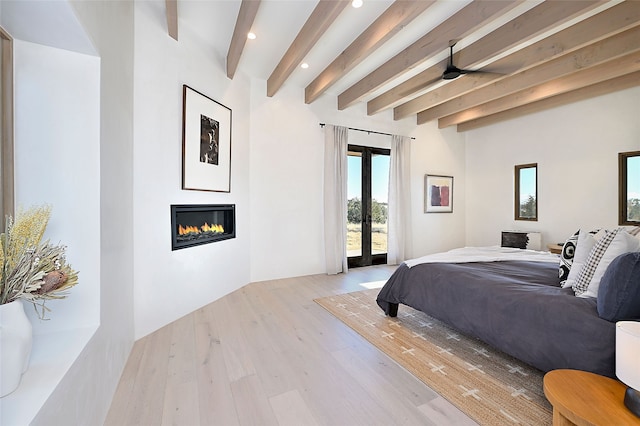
x=367 y=131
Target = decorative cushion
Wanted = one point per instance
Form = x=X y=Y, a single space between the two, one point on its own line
x=635 y=231
x=566 y=257
x=622 y=243
x=586 y=241
x=589 y=267
x=619 y=291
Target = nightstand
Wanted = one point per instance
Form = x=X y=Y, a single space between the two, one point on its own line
x=555 y=248
x=582 y=398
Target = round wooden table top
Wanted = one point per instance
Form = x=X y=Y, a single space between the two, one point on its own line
x=588 y=399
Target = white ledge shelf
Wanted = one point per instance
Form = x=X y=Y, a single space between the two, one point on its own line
x=52 y=355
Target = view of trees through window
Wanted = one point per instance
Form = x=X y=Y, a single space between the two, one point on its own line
x=633 y=209
x=379 y=212
x=528 y=208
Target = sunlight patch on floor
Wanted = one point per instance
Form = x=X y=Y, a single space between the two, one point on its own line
x=373 y=284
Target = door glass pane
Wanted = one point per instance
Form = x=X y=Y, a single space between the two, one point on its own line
x=379 y=203
x=354 y=204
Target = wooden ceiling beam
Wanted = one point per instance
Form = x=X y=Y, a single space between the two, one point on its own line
x=246 y=16
x=614 y=85
x=392 y=20
x=458 y=87
x=589 y=56
x=609 y=70
x=604 y=24
x=321 y=18
x=171 y=7
x=408 y=88
x=523 y=28
x=464 y=22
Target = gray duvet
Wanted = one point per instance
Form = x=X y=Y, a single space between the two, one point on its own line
x=515 y=306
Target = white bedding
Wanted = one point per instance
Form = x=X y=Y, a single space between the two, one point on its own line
x=484 y=254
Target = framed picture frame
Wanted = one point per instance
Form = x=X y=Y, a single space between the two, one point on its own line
x=438 y=194
x=206 y=143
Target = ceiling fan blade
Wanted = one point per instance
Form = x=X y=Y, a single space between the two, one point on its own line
x=452 y=72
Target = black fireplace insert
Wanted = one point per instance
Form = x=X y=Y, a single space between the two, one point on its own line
x=196 y=224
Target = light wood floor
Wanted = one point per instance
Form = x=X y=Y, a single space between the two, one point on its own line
x=268 y=355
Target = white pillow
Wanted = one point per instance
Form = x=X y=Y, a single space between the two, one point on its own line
x=622 y=243
x=586 y=241
x=635 y=231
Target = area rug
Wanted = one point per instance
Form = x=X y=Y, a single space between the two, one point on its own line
x=487 y=385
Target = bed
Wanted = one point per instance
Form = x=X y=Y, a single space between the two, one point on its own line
x=510 y=299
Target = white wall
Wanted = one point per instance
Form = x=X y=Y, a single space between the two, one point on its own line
x=57 y=162
x=84 y=395
x=287 y=162
x=437 y=152
x=576 y=147
x=287 y=151
x=73 y=113
x=170 y=284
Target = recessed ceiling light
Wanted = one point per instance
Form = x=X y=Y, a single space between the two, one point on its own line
x=356 y=3
x=251 y=36
x=304 y=65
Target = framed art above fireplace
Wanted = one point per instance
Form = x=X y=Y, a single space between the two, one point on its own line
x=206 y=143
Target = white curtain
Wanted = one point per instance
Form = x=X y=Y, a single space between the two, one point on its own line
x=399 y=237
x=335 y=198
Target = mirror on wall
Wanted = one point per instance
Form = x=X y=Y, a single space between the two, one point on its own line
x=526 y=192
x=629 y=188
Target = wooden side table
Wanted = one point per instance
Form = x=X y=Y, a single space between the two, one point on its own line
x=555 y=248
x=582 y=398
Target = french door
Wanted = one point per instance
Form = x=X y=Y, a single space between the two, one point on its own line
x=367 y=207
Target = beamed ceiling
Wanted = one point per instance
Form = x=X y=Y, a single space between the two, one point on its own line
x=526 y=56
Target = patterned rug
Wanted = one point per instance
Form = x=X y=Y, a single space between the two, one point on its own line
x=489 y=386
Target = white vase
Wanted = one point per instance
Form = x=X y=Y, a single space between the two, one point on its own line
x=16 y=337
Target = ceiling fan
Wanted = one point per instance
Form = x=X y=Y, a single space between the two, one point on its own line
x=452 y=72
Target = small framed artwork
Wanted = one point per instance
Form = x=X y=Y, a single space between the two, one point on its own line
x=438 y=194
x=206 y=143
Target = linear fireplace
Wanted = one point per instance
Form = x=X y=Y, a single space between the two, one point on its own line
x=196 y=224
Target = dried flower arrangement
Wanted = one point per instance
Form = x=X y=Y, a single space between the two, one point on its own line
x=30 y=269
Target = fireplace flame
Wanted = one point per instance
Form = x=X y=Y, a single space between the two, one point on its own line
x=216 y=229
x=212 y=228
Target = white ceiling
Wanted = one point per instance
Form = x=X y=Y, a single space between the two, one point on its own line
x=50 y=23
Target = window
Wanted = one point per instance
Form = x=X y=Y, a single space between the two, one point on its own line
x=629 y=188
x=526 y=196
